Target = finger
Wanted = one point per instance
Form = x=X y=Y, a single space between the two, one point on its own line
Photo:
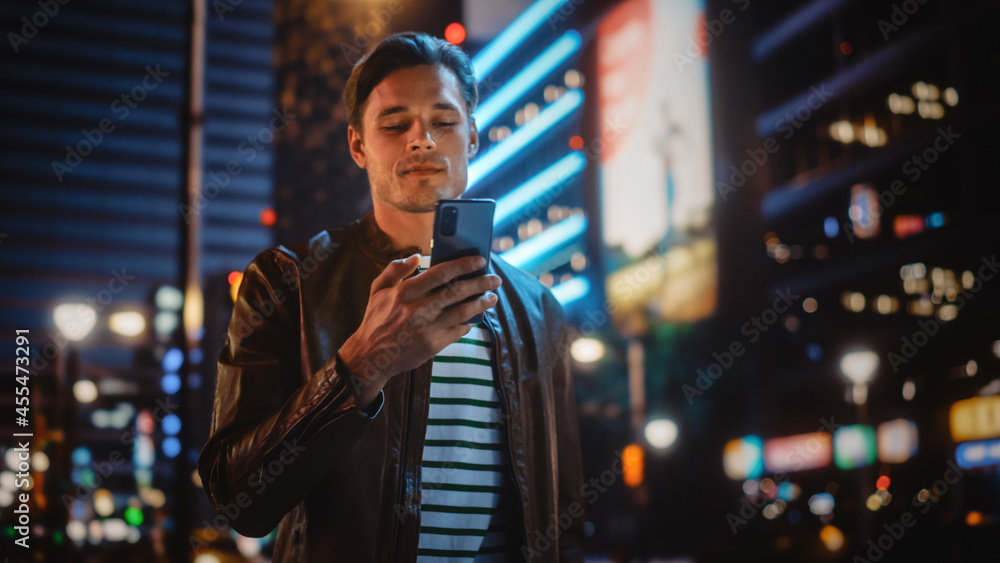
x=465 y=311
x=458 y=291
x=451 y=335
x=440 y=274
x=395 y=272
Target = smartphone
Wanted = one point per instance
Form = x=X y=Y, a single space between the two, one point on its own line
x=463 y=227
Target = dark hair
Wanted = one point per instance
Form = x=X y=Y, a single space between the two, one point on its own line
x=404 y=50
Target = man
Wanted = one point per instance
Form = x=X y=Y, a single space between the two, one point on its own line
x=352 y=407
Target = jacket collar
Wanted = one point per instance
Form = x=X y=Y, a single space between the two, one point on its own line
x=377 y=244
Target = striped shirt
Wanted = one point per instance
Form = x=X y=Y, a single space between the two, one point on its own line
x=463 y=470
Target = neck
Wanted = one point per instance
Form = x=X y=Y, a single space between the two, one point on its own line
x=406 y=229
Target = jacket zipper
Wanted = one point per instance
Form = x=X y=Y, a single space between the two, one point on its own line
x=507 y=414
x=403 y=453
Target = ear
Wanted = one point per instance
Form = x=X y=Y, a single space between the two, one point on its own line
x=473 y=138
x=357 y=145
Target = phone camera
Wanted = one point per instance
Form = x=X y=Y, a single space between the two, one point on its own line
x=449 y=221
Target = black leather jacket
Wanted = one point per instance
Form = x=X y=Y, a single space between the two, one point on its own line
x=288 y=443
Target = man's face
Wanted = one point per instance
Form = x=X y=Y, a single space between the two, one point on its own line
x=417 y=139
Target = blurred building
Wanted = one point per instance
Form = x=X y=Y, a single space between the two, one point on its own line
x=854 y=218
x=95 y=150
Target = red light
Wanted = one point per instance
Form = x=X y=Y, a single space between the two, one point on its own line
x=454 y=33
x=882 y=483
x=576 y=142
x=907 y=225
x=268 y=217
x=234 y=277
x=846 y=48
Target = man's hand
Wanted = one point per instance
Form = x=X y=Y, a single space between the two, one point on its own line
x=405 y=323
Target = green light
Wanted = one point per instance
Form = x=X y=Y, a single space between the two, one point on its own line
x=9 y=530
x=854 y=446
x=58 y=537
x=87 y=478
x=133 y=516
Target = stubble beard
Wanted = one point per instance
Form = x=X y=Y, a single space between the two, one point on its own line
x=421 y=199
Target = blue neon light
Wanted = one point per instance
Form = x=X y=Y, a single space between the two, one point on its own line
x=171 y=424
x=571 y=290
x=556 y=174
x=500 y=153
x=978 y=454
x=523 y=81
x=831 y=228
x=171 y=446
x=558 y=236
x=170 y=383
x=510 y=38
x=173 y=359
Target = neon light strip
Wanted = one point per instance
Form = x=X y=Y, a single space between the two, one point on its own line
x=501 y=152
x=523 y=81
x=548 y=241
x=510 y=38
x=556 y=174
x=571 y=290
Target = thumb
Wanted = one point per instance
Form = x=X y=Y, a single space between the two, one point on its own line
x=395 y=272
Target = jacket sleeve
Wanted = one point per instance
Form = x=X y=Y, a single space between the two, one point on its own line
x=276 y=432
x=570 y=492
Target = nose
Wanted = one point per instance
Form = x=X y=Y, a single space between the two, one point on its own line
x=420 y=137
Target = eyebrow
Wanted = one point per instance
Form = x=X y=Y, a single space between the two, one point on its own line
x=400 y=109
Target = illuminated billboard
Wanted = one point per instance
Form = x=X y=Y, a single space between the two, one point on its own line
x=798 y=453
x=743 y=458
x=656 y=191
x=975 y=419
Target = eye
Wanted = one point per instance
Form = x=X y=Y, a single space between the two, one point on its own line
x=395 y=128
x=446 y=124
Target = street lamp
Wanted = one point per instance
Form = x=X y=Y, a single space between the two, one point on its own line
x=859 y=366
x=127 y=323
x=661 y=433
x=587 y=350
x=75 y=320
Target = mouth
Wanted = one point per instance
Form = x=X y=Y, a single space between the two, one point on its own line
x=422 y=171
